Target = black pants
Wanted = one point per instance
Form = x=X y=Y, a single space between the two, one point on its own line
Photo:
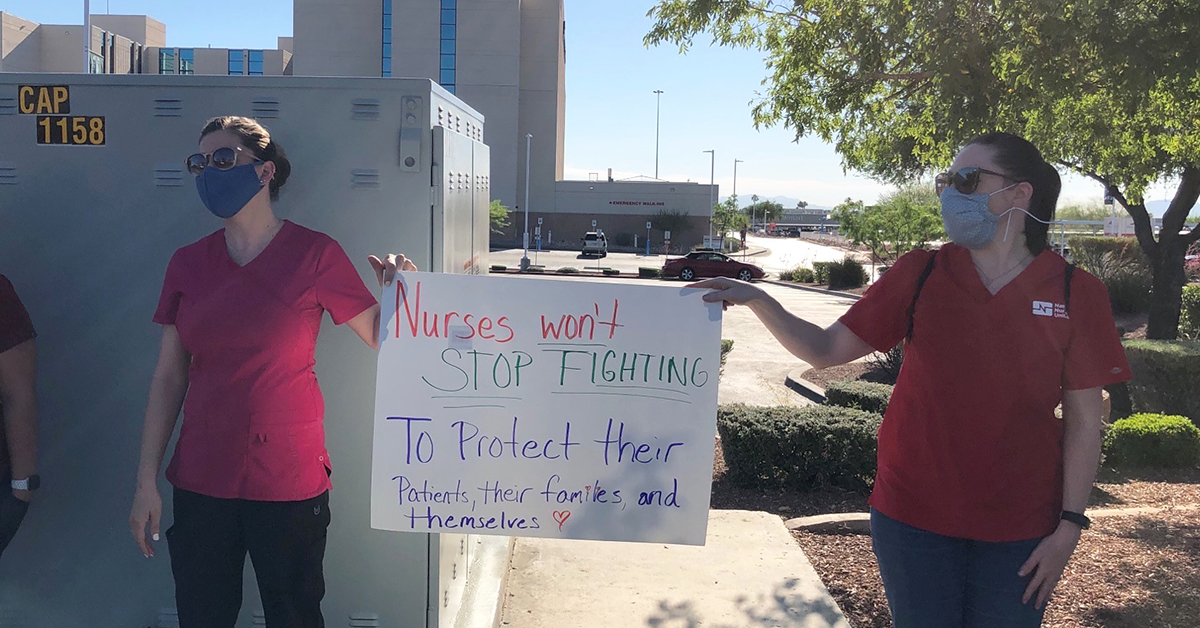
x=286 y=541
x=12 y=512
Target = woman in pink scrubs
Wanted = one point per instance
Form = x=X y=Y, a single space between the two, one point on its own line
x=241 y=310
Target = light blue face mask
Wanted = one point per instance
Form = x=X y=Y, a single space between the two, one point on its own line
x=226 y=192
x=968 y=220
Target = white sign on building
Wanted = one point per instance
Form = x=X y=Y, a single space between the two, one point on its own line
x=561 y=409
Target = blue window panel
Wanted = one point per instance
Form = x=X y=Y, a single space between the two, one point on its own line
x=448 y=31
x=448 y=16
x=449 y=4
x=236 y=62
x=387 y=6
x=448 y=46
x=256 y=55
x=387 y=21
x=450 y=88
x=187 y=61
x=166 y=62
x=387 y=51
x=447 y=62
x=387 y=35
x=447 y=77
x=387 y=67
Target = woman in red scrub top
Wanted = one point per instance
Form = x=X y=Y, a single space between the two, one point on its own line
x=241 y=310
x=980 y=491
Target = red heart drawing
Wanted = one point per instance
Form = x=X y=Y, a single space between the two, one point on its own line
x=588 y=488
x=561 y=517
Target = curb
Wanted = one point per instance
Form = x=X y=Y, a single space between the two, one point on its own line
x=805 y=388
x=861 y=521
x=832 y=293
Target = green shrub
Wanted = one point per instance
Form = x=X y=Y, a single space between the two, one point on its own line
x=859 y=395
x=1120 y=265
x=611 y=271
x=726 y=347
x=649 y=273
x=536 y=269
x=808 y=448
x=1165 y=375
x=821 y=272
x=1189 y=317
x=1153 y=440
x=799 y=275
x=848 y=273
x=623 y=239
x=568 y=270
x=496 y=268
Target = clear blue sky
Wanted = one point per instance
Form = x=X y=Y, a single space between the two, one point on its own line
x=611 y=77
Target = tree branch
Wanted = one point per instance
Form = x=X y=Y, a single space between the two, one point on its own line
x=1143 y=227
x=1185 y=198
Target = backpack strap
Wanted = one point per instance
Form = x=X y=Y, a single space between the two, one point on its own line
x=1067 y=287
x=912 y=307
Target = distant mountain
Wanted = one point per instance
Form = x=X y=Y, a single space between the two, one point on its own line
x=787 y=201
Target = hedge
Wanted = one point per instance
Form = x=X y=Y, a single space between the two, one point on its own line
x=848 y=273
x=1165 y=375
x=1189 y=317
x=859 y=395
x=801 y=275
x=496 y=268
x=1120 y=265
x=821 y=272
x=611 y=271
x=648 y=273
x=1153 y=440
x=815 y=447
x=726 y=347
x=568 y=270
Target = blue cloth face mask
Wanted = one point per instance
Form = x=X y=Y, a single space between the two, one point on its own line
x=968 y=220
x=226 y=192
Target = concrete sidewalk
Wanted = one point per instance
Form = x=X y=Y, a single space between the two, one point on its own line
x=751 y=573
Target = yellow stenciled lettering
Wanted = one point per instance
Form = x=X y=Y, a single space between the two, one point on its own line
x=26 y=94
x=61 y=97
x=45 y=103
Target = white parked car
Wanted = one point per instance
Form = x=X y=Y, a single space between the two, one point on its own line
x=595 y=243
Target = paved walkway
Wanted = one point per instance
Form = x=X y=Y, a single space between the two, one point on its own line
x=756 y=370
x=751 y=573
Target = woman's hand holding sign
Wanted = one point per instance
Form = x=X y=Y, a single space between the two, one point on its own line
x=729 y=291
x=386 y=268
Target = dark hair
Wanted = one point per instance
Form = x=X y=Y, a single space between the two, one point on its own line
x=1024 y=162
x=257 y=140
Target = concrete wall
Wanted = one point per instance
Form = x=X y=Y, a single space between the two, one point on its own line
x=618 y=207
x=62 y=47
x=343 y=38
x=488 y=66
x=215 y=61
x=285 y=43
x=541 y=39
x=20 y=44
x=139 y=28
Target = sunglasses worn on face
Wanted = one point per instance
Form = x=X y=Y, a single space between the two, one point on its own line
x=221 y=159
x=966 y=180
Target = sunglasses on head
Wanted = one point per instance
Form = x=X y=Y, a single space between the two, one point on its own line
x=966 y=180
x=221 y=159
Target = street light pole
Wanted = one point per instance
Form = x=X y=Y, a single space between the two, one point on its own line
x=735 y=163
x=712 y=201
x=87 y=36
x=657 y=126
x=525 y=237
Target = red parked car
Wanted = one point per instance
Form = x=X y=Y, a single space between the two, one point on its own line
x=704 y=263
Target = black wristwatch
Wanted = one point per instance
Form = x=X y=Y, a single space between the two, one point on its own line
x=1077 y=518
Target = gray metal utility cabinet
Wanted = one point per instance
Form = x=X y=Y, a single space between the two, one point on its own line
x=90 y=213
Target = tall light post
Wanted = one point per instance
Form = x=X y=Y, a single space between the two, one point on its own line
x=735 y=163
x=525 y=236
x=712 y=201
x=87 y=36
x=657 y=126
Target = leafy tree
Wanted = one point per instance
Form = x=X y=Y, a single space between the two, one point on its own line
x=670 y=220
x=903 y=220
x=1078 y=211
x=801 y=204
x=727 y=217
x=499 y=216
x=1107 y=88
x=764 y=211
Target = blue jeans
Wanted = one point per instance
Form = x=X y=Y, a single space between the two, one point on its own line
x=935 y=581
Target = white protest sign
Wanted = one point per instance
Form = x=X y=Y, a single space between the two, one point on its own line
x=540 y=407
